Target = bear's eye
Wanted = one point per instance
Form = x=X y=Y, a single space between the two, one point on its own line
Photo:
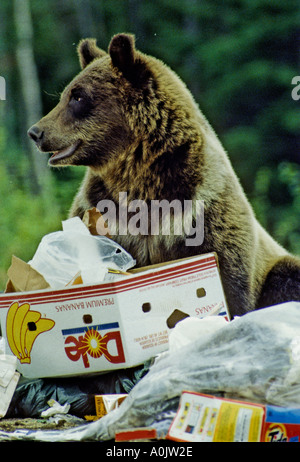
x=76 y=97
x=80 y=104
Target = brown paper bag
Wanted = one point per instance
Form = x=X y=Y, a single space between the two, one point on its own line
x=23 y=278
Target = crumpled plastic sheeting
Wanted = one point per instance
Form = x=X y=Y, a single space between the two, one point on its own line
x=256 y=357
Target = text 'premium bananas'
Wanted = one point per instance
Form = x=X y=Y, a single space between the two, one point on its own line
x=22 y=328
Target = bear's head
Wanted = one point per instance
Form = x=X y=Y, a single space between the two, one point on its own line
x=121 y=101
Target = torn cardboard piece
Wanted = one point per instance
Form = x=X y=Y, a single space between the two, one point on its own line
x=136 y=434
x=95 y=223
x=24 y=278
x=105 y=404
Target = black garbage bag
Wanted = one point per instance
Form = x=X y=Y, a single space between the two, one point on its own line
x=32 y=395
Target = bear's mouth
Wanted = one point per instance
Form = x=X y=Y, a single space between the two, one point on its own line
x=64 y=153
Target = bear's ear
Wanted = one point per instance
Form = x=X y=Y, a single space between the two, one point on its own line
x=122 y=51
x=128 y=60
x=88 y=51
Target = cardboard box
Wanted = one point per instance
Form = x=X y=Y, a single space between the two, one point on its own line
x=206 y=418
x=281 y=425
x=113 y=325
x=104 y=404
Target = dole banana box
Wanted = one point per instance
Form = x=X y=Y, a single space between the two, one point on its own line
x=112 y=325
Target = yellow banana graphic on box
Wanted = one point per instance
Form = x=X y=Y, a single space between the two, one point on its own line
x=22 y=328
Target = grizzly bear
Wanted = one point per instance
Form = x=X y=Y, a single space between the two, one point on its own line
x=133 y=123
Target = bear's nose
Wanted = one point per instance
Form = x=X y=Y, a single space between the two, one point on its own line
x=35 y=133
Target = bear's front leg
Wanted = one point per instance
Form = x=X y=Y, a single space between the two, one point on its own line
x=282 y=283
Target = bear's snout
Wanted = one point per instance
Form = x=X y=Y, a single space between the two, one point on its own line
x=36 y=134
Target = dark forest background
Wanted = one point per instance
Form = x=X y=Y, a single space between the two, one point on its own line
x=238 y=57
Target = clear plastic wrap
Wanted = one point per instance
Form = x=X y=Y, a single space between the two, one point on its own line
x=61 y=255
x=255 y=357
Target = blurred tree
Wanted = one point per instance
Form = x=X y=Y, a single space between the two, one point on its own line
x=38 y=172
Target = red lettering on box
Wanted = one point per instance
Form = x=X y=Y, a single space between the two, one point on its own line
x=94 y=345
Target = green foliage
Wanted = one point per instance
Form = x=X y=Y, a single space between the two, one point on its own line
x=280 y=186
x=237 y=56
x=25 y=218
x=24 y=221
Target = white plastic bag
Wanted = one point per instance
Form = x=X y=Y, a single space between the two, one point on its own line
x=61 y=255
x=8 y=378
x=191 y=329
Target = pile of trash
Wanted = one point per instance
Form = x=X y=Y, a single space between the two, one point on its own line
x=255 y=358
x=248 y=367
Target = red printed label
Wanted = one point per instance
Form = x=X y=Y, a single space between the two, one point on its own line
x=94 y=345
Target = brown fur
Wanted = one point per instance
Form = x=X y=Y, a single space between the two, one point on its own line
x=132 y=121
